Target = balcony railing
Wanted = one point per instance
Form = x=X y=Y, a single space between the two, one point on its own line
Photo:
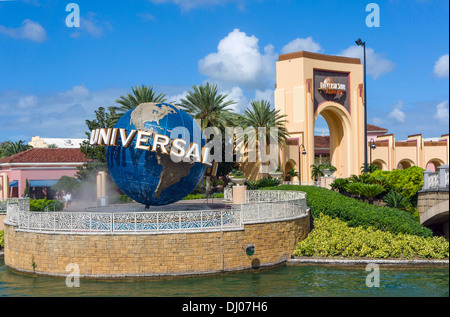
x=436 y=180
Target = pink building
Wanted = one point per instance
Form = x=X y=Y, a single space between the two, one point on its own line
x=43 y=167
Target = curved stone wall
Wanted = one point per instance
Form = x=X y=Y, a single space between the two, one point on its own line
x=106 y=255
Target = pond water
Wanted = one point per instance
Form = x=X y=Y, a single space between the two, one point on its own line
x=288 y=281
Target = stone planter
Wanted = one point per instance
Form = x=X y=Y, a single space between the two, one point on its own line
x=238 y=180
x=328 y=172
x=276 y=174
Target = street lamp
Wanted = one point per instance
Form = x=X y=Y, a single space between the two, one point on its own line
x=372 y=147
x=304 y=149
x=363 y=44
x=303 y=153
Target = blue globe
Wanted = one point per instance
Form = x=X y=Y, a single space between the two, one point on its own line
x=154 y=178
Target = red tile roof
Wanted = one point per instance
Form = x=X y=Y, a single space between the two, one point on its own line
x=321 y=141
x=53 y=155
x=373 y=128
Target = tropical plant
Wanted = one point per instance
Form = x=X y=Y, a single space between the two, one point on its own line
x=370 y=168
x=261 y=115
x=292 y=173
x=237 y=174
x=205 y=103
x=334 y=237
x=2 y=239
x=316 y=171
x=357 y=213
x=340 y=184
x=371 y=191
x=9 y=148
x=396 y=200
x=40 y=204
x=213 y=109
x=96 y=154
x=67 y=184
x=354 y=188
x=407 y=182
x=140 y=94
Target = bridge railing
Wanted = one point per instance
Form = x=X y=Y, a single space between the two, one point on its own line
x=436 y=180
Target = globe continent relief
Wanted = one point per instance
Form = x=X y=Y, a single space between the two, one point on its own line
x=154 y=178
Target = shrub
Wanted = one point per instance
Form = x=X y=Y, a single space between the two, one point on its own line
x=40 y=204
x=333 y=237
x=396 y=200
x=2 y=239
x=371 y=191
x=262 y=183
x=407 y=182
x=339 y=184
x=357 y=213
x=202 y=196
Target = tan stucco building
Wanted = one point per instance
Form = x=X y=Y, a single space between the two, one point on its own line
x=311 y=84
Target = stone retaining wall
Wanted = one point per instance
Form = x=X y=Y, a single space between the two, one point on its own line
x=154 y=255
x=430 y=198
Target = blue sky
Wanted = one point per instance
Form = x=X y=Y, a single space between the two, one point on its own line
x=53 y=77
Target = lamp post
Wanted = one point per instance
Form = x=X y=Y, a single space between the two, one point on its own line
x=372 y=147
x=303 y=153
x=363 y=44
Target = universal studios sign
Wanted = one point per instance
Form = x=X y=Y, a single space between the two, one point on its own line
x=238 y=145
x=329 y=87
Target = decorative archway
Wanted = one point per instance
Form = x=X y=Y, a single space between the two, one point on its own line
x=433 y=164
x=339 y=125
x=290 y=165
x=404 y=164
x=381 y=164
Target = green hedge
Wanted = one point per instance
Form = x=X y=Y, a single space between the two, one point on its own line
x=357 y=213
x=202 y=196
x=333 y=237
x=40 y=204
x=2 y=239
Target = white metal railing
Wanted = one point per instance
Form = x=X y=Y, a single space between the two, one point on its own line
x=228 y=194
x=436 y=180
x=261 y=205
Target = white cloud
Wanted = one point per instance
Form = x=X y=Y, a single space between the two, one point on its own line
x=441 y=66
x=175 y=99
x=238 y=61
x=192 y=4
x=397 y=114
x=237 y=95
x=377 y=121
x=442 y=113
x=91 y=26
x=29 y=30
x=299 y=44
x=63 y=114
x=27 y=102
x=376 y=64
x=265 y=95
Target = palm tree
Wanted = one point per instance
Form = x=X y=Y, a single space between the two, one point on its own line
x=316 y=171
x=205 y=103
x=9 y=148
x=130 y=101
x=261 y=115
